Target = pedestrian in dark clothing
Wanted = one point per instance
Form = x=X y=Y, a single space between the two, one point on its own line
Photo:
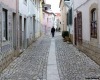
x=53 y=31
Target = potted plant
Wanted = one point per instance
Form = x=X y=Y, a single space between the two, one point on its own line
x=65 y=35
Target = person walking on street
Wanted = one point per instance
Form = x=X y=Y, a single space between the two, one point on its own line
x=53 y=31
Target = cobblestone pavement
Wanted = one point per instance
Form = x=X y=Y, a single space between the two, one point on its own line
x=73 y=64
x=31 y=65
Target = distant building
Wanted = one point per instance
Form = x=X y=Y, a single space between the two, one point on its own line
x=57 y=20
x=48 y=21
x=48 y=18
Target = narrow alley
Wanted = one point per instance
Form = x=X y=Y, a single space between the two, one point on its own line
x=49 y=39
x=52 y=59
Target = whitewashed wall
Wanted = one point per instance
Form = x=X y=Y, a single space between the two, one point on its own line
x=85 y=16
x=77 y=3
x=27 y=11
x=23 y=8
x=31 y=12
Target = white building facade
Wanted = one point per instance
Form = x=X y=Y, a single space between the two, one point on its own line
x=87 y=27
x=29 y=21
x=69 y=12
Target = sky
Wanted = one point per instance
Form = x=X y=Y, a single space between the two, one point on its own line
x=54 y=5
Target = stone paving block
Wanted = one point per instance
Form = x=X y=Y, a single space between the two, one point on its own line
x=74 y=64
x=30 y=64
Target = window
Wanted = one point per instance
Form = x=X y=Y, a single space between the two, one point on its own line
x=46 y=8
x=25 y=2
x=69 y=17
x=66 y=0
x=93 y=23
x=4 y=26
x=35 y=2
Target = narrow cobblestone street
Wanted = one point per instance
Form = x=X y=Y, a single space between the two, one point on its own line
x=51 y=59
x=31 y=65
x=74 y=64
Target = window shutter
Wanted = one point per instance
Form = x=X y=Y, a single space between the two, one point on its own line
x=67 y=19
x=70 y=16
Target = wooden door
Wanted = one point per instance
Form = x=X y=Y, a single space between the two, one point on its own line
x=79 y=25
x=75 y=31
x=25 y=41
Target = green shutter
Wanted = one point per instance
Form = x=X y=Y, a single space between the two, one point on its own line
x=67 y=19
x=70 y=16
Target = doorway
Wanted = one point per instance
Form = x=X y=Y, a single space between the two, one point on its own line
x=75 y=31
x=34 y=27
x=20 y=27
x=14 y=31
x=25 y=46
x=79 y=26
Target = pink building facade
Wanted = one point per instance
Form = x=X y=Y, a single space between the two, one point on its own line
x=48 y=21
x=58 y=21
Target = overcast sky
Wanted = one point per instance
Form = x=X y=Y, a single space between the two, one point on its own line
x=54 y=5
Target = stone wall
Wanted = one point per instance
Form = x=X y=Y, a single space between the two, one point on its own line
x=93 y=51
x=6 y=47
